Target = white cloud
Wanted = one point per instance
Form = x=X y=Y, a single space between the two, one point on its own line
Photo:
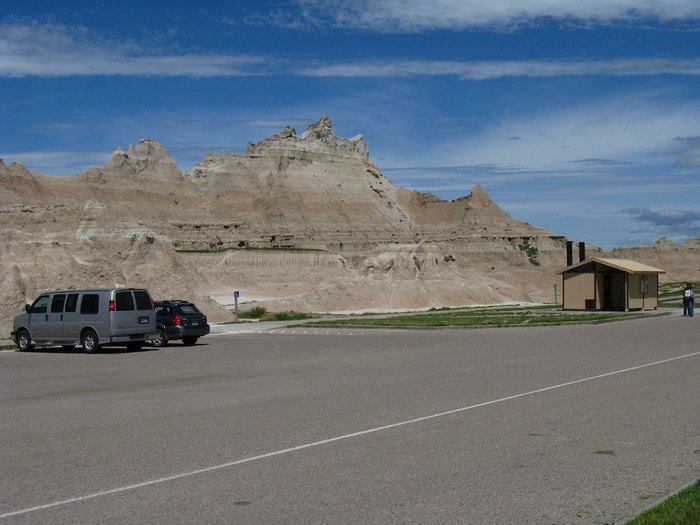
x=55 y=50
x=56 y=162
x=425 y=15
x=639 y=129
x=689 y=155
x=485 y=70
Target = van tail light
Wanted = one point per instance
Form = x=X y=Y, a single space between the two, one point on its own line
x=176 y=319
x=112 y=305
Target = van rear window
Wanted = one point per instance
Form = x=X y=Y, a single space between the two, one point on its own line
x=143 y=300
x=90 y=304
x=124 y=301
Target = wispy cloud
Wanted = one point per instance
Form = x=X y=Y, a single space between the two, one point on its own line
x=680 y=225
x=636 y=129
x=664 y=217
x=689 y=155
x=486 y=70
x=55 y=162
x=427 y=15
x=56 y=50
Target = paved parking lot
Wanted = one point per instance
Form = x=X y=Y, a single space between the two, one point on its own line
x=586 y=424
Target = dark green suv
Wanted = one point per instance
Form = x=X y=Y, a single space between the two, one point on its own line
x=178 y=319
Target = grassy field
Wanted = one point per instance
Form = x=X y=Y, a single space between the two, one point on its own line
x=680 y=509
x=479 y=317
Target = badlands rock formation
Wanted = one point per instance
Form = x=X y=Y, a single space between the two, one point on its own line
x=299 y=221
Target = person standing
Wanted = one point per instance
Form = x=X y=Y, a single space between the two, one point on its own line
x=690 y=294
x=686 y=295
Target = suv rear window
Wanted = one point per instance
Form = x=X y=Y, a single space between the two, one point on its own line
x=124 y=301
x=187 y=309
x=143 y=300
x=90 y=304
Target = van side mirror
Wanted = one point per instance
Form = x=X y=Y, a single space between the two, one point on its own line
x=27 y=307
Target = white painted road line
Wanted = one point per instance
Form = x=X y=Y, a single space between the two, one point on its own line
x=204 y=470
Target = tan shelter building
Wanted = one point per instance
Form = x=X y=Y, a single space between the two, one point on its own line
x=610 y=284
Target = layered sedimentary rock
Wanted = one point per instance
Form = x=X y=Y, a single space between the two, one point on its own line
x=305 y=221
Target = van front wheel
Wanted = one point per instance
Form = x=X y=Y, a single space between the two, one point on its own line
x=24 y=341
x=90 y=342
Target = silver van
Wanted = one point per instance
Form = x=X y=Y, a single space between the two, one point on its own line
x=90 y=318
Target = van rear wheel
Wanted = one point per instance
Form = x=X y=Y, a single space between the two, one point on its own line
x=24 y=341
x=90 y=342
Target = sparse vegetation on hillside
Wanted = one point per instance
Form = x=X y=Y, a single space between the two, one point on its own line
x=531 y=251
x=261 y=313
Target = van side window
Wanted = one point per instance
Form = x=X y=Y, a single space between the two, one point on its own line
x=143 y=301
x=57 y=303
x=90 y=304
x=71 y=302
x=124 y=301
x=40 y=305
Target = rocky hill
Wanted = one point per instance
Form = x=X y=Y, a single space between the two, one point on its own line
x=299 y=221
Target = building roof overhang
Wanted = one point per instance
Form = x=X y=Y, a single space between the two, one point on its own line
x=624 y=265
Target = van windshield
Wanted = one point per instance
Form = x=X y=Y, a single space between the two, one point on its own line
x=40 y=305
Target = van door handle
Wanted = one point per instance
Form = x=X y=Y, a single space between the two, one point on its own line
x=47 y=317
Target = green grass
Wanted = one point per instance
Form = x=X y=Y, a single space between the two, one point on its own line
x=479 y=317
x=681 y=509
x=288 y=316
x=256 y=312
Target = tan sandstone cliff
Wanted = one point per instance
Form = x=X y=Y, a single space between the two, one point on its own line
x=305 y=221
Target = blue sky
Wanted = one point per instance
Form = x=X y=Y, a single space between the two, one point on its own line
x=579 y=117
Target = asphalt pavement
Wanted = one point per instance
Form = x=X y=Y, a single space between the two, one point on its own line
x=569 y=424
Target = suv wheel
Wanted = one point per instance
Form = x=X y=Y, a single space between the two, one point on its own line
x=189 y=341
x=160 y=339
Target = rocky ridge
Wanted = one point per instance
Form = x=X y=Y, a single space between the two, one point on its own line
x=306 y=221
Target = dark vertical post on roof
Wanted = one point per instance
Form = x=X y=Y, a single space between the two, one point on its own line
x=582 y=251
x=569 y=253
